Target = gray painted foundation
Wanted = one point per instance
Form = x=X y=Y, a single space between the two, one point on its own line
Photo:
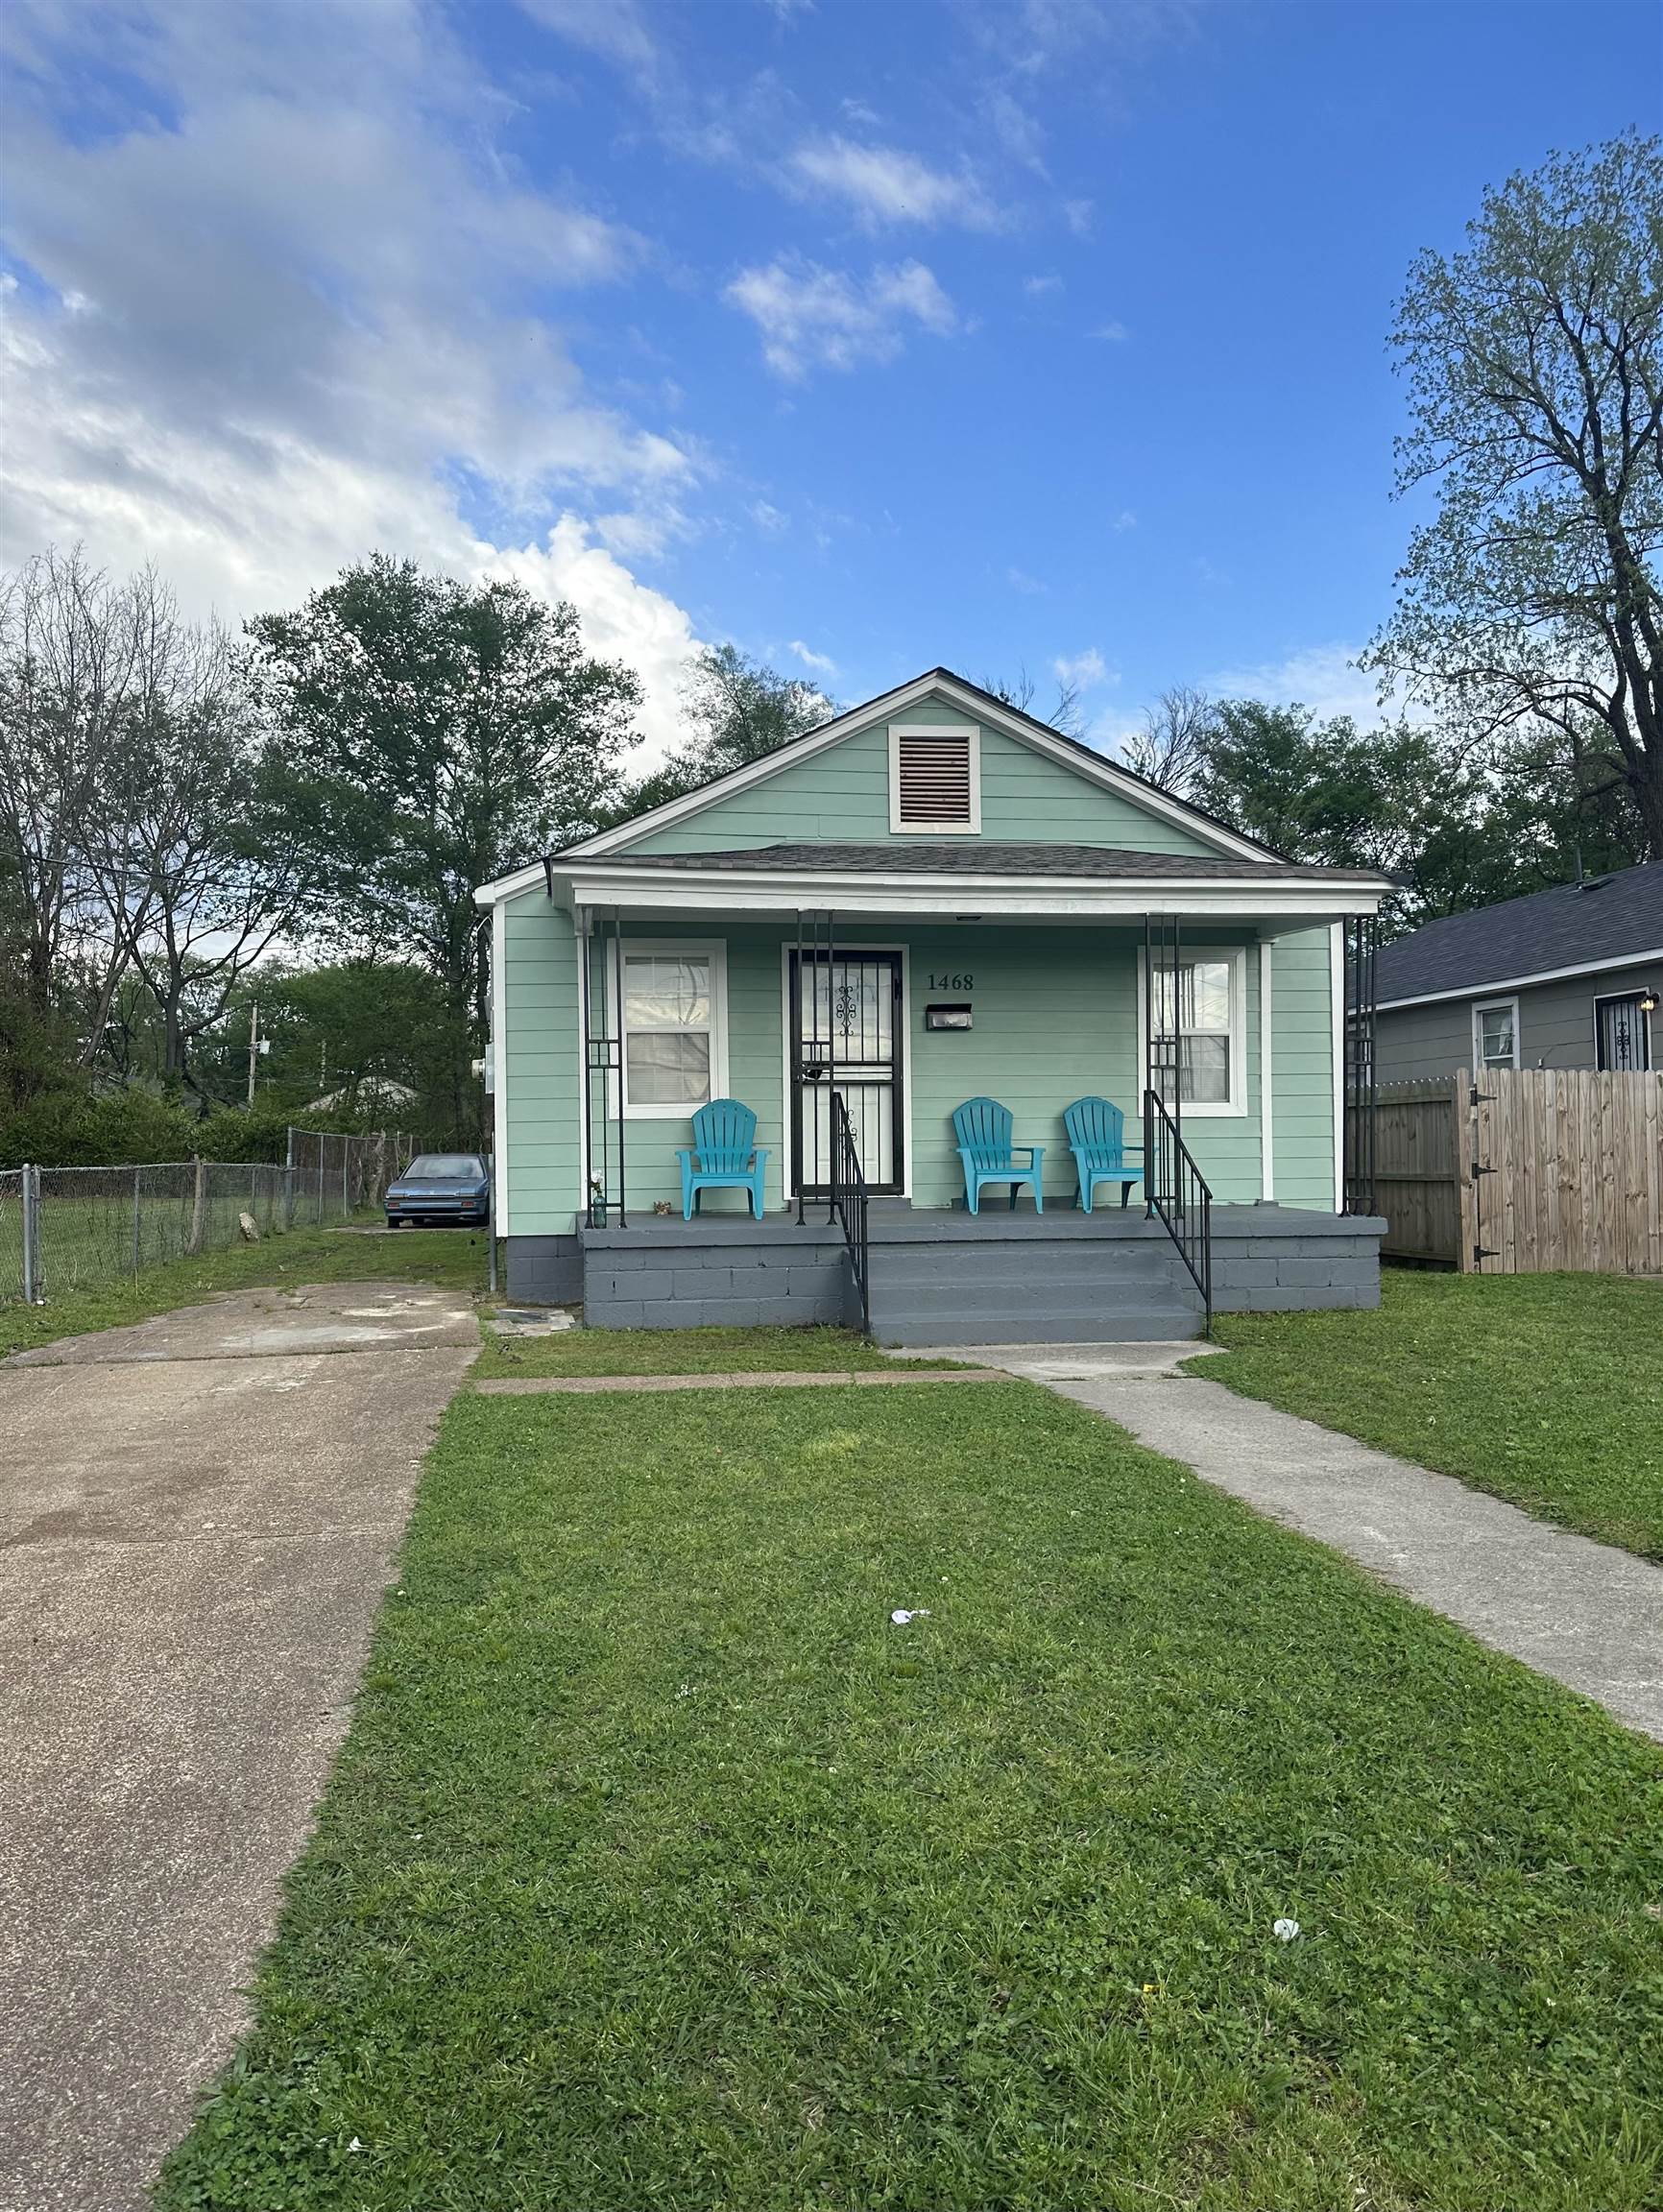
x=993 y=1278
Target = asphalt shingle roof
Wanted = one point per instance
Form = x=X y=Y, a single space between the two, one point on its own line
x=984 y=857
x=1608 y=918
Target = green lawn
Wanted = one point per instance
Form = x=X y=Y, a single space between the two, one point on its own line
x=451 y=1256
x=659 y=1869
x=1546 y=1389
x=682 y=1352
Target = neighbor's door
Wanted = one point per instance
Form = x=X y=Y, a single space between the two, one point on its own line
x=846 y=1036
x=1622 y=1038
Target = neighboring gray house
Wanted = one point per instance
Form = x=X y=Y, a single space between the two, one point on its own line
x=1566 y=978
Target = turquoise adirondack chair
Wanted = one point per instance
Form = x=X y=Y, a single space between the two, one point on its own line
x=981 y=1128
x=724 y=1148
x=1096 y=1139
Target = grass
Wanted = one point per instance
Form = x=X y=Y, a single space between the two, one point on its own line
x=659 y=1869
x=682 y=1352
x=1544 y=1389
x=449 y=1255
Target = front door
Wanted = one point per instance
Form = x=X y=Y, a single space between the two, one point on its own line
x=1623 y=1038
x=846 y=1036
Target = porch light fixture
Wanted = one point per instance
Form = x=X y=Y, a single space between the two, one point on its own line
x=1649 y=999
x=947 y=1017
x=966 y=916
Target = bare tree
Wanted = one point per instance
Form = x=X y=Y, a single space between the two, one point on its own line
x=1067 y=714
x=68 y=647
x=1171 y=749
x=1534 y=362
x=209 y=865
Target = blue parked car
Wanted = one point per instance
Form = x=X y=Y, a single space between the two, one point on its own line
x=441 y=1187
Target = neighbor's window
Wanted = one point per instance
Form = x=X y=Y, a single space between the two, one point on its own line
x=668 y=1029
x=1496 y=1034
x=1201 y=1034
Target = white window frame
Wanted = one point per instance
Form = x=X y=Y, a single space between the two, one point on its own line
x=1236 y=1107
x=1481 y=1008
x=711 y=949
x=967 y=730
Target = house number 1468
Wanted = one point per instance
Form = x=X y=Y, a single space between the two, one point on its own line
x=960 y=980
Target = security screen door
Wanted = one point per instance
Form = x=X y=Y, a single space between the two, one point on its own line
x=846 y=1036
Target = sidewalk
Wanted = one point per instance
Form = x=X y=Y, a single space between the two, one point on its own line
x=1585 y=1613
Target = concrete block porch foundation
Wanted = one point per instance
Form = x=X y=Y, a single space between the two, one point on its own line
x=998 y=1277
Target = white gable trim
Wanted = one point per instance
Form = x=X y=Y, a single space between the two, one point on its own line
x=1102 y=772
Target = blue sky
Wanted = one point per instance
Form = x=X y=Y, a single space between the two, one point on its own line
x=868 y=336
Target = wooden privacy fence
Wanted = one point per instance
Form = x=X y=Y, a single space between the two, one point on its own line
x=1536 y=1169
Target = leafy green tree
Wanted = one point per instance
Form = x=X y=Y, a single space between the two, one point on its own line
x=1534 y=362
x=735 y=709
x=1456 y=832
x=440 y=733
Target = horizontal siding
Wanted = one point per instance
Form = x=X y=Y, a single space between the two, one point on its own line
x=1055 y=1013
x=1302 y=1069
x=842 y=795
x=542 y=1065
x=1555 y=1025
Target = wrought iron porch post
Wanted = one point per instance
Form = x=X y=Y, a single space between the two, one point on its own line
x=618 y=975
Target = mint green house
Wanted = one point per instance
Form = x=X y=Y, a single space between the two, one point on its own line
x=930 y=900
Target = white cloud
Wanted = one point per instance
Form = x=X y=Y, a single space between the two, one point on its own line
x=622 y=618
x=818 y=662
x=1125 y=520
x=613 y=29
x=767 y=517
x=1079 y=215
x=814 y=317
x=343 y=356
x=1112 y=333
x=1028 y=586
x=1037 y=287
x=884 y=186
x=1325 y=678
x=1085 y=669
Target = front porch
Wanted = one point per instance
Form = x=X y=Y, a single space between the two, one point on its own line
x=943 y=1275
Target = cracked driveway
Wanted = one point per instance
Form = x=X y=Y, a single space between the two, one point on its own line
x=197 y=1521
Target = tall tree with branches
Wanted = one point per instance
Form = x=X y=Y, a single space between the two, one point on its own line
x=1534 y=362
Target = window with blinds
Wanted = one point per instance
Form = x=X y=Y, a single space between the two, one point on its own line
x=935 y=779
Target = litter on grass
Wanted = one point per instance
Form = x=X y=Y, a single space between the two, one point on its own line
x=901 y=1615
x=1283 y=1931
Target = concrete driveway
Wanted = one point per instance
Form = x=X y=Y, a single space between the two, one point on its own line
x=197 y=1522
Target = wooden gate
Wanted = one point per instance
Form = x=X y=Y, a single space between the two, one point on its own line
x=1538 y=1170
x=1565 y=1170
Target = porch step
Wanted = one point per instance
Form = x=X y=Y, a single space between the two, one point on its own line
x=976 y=1286
x=1030 y=1325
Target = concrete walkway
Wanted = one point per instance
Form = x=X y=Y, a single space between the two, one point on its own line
x=197 y=1522
x=1587 y=1614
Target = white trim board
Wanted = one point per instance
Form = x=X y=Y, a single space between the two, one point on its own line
x=1267 y=1077
x=500 y=1057
x=1337 y=982
x=1505 y=983
x=943 y=898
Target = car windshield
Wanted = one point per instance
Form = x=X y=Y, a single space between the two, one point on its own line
x=448 y=1167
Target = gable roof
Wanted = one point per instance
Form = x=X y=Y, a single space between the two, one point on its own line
x=1607 y=922
x=985 y=856
x=972 y=699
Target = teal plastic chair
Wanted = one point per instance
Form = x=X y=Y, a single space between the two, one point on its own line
x=982 y=1127
x=724 y=1150
x=1097 y=1138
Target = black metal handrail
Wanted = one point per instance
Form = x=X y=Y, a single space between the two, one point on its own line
x=849 y=1200
x=1176 y=1190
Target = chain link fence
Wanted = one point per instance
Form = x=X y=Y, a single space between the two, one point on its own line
x=66 y=1229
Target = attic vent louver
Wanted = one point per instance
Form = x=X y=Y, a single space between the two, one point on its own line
x=935 y=779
